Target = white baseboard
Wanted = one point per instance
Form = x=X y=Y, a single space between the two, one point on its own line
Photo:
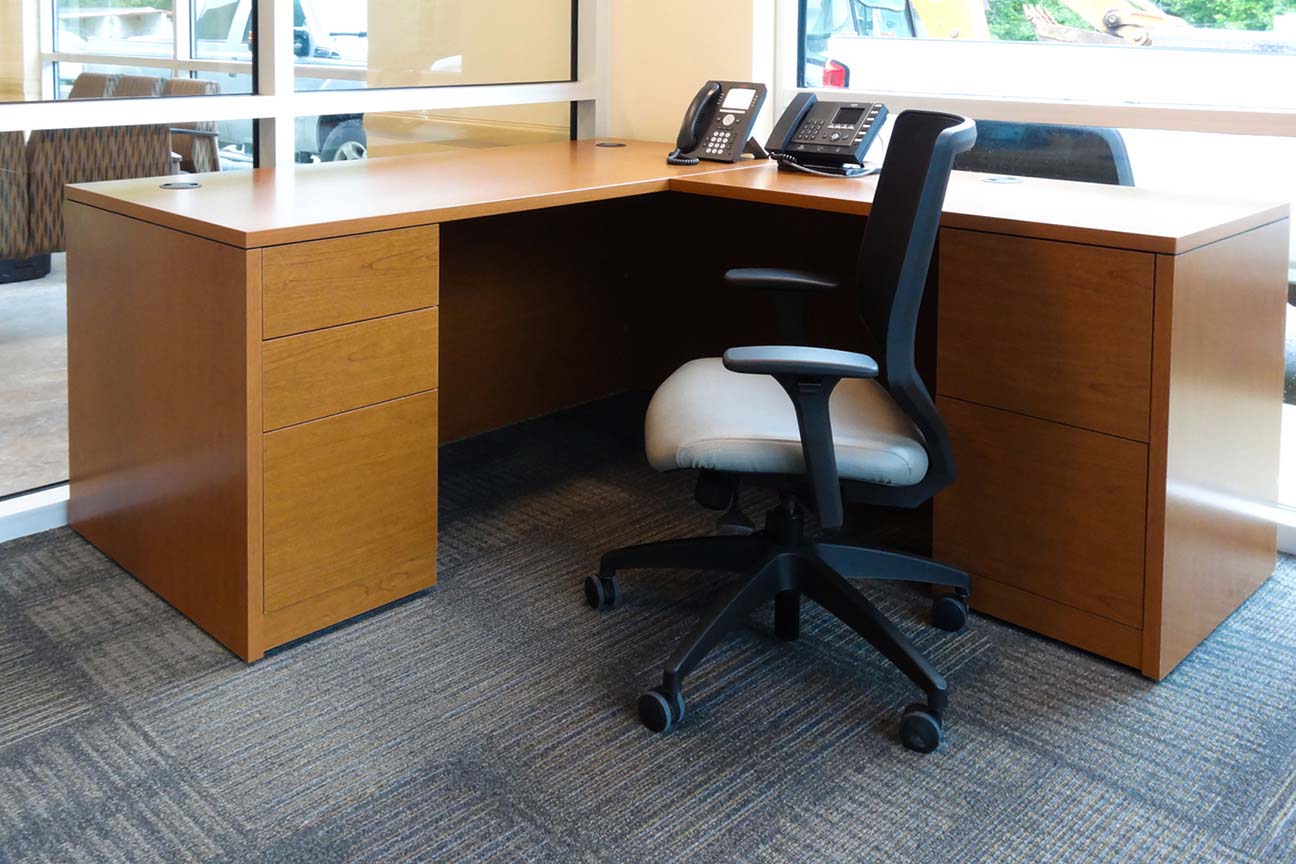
x=33 y=512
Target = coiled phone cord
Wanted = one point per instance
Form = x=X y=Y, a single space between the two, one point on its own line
x=677 y=157
x=786 y=160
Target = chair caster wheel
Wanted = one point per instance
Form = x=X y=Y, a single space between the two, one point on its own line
x=661 y=710
x=602 y=592
x=949 y=612
x=920 y=728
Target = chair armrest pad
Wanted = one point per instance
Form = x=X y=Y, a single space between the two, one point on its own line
x=799 y=360
x=780 y=279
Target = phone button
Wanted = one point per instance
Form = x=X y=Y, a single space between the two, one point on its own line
x=728 y=119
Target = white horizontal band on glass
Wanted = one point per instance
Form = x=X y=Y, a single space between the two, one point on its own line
x=1181 y=118
x=183 y=109
x=231 y=67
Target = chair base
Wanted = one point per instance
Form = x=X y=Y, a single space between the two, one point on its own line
x=24 y=269
x=781 y=564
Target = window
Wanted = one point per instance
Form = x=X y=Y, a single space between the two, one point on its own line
x=119 y=48
x=1217 y=53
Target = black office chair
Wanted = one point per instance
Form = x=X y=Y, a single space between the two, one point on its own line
x=811 y=423
x=1085 y=153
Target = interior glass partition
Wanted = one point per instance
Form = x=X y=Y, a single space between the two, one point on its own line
x=340 y=44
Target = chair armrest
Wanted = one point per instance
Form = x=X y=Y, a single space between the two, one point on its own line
x=788 y=290
x=800 y=361
x=779 y=279
x=808 y=376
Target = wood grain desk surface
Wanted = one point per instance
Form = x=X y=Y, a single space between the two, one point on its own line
x=1120 y=216
x=265 y=207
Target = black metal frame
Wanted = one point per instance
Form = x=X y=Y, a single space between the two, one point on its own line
x=782 y=562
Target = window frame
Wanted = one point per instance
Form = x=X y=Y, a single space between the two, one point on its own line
x=276 y=103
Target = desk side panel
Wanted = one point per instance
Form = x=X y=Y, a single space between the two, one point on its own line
x=159 y=410
x=1217 y=415
x=533 y=314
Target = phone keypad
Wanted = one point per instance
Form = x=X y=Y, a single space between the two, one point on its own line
x=810 y=130
x=720 y=143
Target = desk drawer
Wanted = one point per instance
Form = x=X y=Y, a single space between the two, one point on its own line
x=351 y=503
x=1055 y=330
x=307 y=286
x=312 y=375
x=1050 y=509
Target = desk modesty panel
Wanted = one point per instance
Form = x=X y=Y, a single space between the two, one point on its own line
x=256 y=439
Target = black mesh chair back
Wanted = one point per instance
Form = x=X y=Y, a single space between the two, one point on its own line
x=1084 y=153
x=891 y=272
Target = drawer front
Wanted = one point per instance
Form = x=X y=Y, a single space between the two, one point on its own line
x=1050 y=509
x=307 y=286
x=1055 y=330
x=351 y=500
x=313 y=375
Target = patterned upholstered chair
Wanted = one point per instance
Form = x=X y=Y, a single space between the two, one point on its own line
x=195 y=143
x=137 y=86
x=94 y=85
x=57 y=157
x=17 y=264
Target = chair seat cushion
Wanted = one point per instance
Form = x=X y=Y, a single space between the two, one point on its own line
x=704 y=416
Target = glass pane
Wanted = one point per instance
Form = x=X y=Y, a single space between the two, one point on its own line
x=837 y=31
x=342 y=44
x=124 y=48
x=223 y=28
x=33 y=274
x=135 y=28
x=354 y=136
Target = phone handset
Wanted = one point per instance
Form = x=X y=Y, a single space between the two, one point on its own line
x=687 y=140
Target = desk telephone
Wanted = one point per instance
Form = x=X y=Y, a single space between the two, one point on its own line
x=830 y=138
x=812 y=136
x=718 y=123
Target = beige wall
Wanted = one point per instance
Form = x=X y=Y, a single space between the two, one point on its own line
x=661 y=55
x=19 y=48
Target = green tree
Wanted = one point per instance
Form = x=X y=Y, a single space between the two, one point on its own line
x=1008 y=22
x=1233 y=14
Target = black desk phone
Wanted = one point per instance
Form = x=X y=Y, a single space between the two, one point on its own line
x=718 y=123
x=821 y=137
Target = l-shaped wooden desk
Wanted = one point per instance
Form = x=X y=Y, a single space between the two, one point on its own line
x=261 y=370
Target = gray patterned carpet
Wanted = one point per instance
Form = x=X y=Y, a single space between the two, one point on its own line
x=491 y=718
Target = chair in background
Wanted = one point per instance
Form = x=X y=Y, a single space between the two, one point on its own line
x=195 y=144
x=57 y=157
x=93 y=85
x=137 y=87
x=814 y=424
x=17 y=263
x=1083 y=153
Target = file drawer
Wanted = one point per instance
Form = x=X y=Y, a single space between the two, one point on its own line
x=322 y=283
x=313 y=375
x=1050 y=509
x=1055 y=330
x=350 y=506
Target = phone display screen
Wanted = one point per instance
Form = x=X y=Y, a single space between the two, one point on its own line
x=738 y=99
x=848 y=116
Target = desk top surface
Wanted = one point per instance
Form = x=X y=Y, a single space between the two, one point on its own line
x=265 y=207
